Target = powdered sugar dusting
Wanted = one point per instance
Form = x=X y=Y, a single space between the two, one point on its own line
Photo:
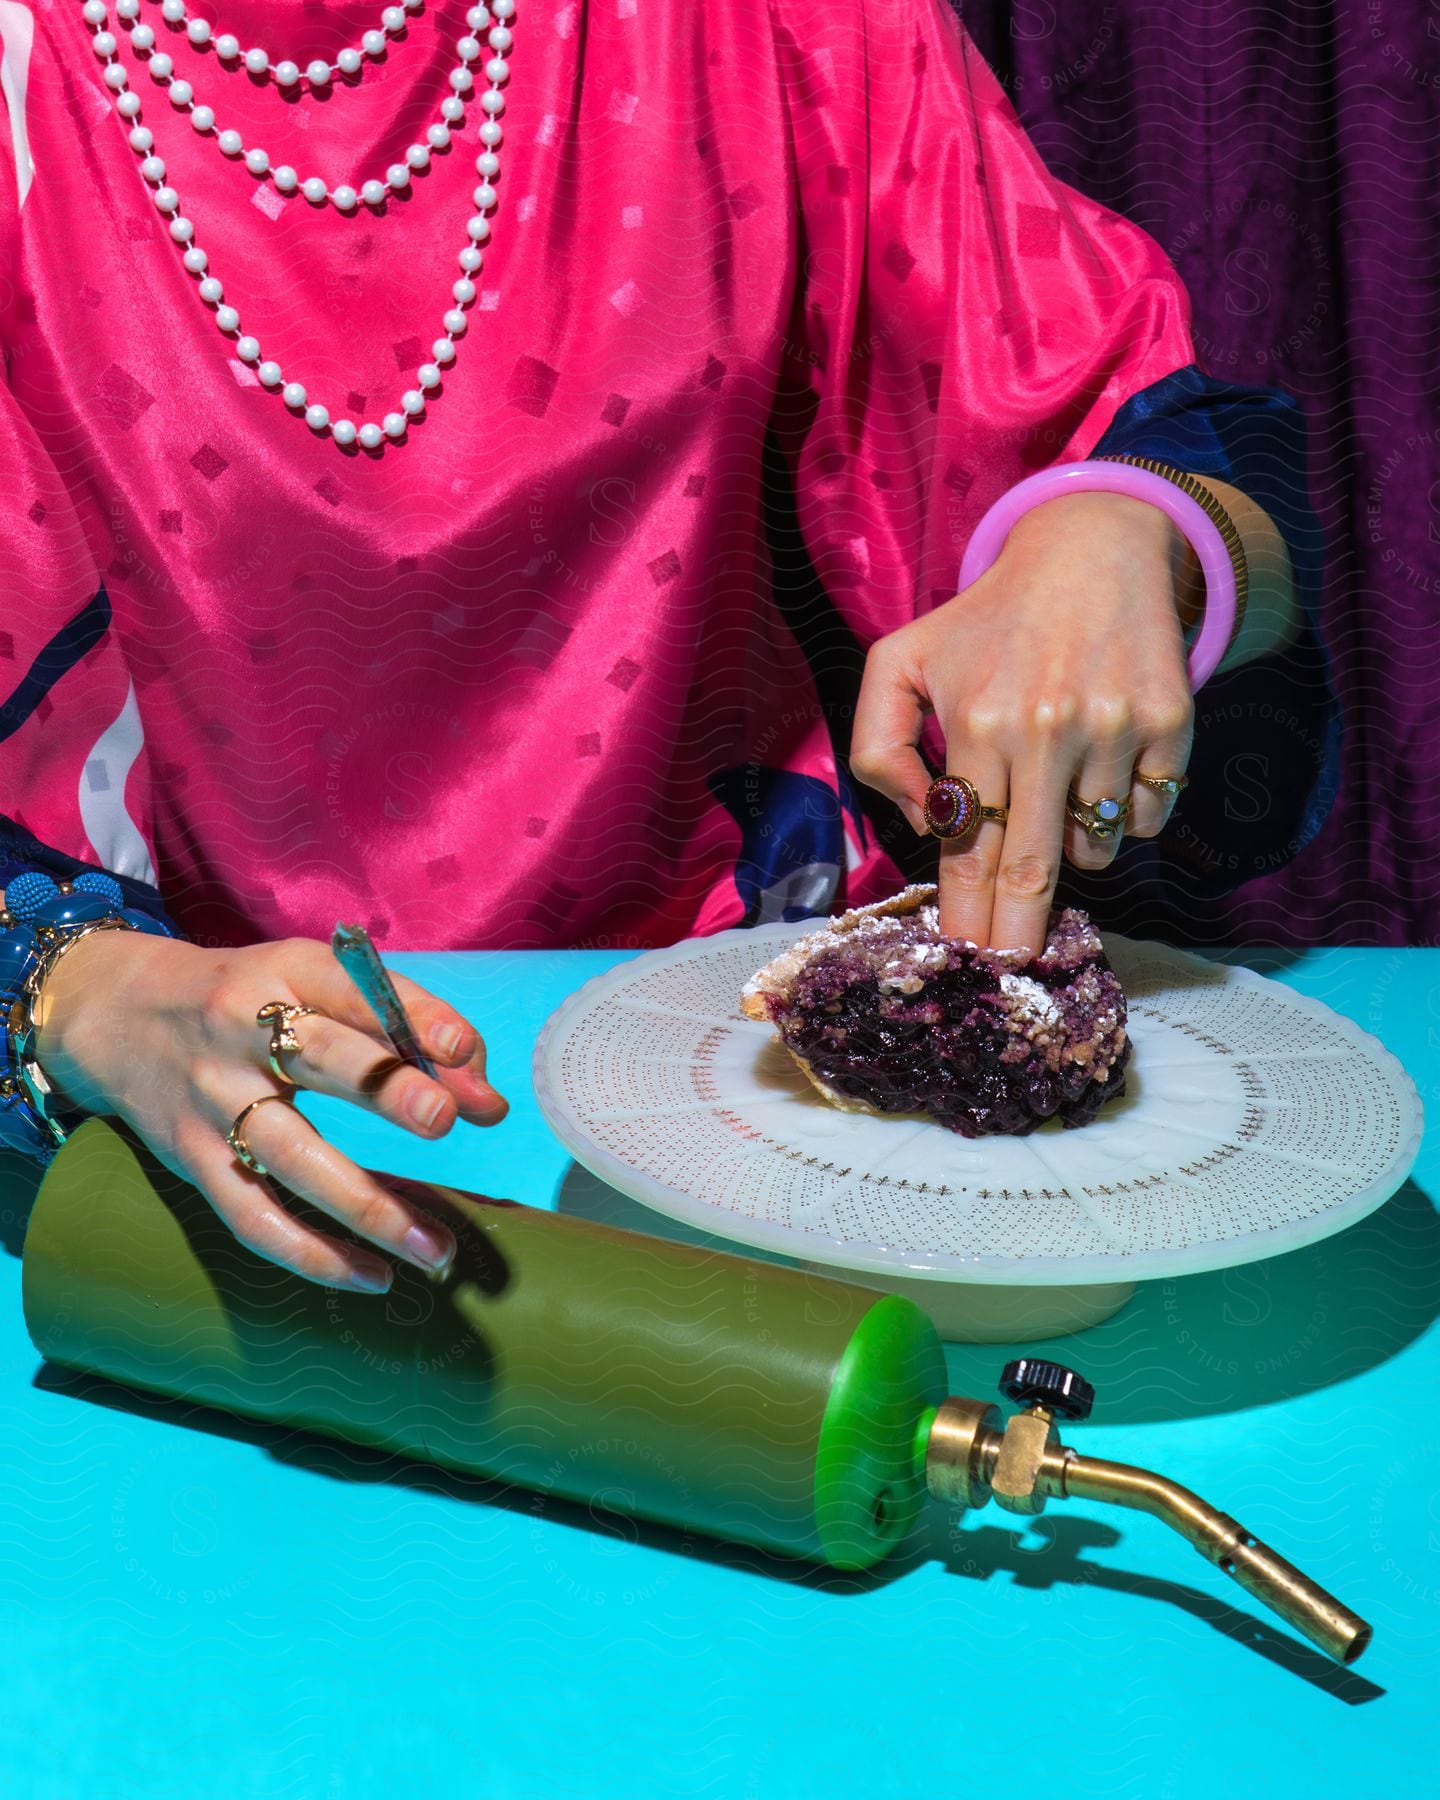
x=1027 y=996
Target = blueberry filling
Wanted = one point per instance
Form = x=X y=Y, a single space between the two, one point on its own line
x=904 y=1020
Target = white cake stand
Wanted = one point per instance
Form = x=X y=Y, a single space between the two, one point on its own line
x=1255 y=1121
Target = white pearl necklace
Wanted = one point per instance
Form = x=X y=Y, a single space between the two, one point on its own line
x=283 y=73
x=347 y=196
x=344 y=432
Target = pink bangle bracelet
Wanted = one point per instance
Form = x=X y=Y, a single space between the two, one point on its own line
x=1217 y=625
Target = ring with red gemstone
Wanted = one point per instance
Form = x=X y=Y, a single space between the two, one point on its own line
x=953 y=810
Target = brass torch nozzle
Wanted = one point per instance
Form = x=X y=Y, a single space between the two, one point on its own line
x=970 y=1458
x=1278 y=1584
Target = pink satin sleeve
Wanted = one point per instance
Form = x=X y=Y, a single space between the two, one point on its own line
x=72 y=766
x=962 y=318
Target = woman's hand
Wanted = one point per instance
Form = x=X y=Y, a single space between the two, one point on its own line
x=163 y=1034
x=1062 y=667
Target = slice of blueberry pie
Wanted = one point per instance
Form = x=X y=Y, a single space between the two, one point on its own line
x=886 y=1015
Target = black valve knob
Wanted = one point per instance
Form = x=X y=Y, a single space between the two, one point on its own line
x=1051 y=1385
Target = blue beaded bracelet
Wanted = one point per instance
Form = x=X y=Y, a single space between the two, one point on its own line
x=40 y=917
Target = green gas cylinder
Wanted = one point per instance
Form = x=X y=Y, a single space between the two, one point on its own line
x=707 y=1391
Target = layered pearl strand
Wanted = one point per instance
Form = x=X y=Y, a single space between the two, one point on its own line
x=347 y=197
x=344 y=432
x=283 y=73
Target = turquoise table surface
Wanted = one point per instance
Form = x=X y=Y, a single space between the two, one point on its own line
x=195 y=1606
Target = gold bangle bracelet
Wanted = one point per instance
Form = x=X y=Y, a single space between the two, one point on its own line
x=1214 y=508
x=54 y=942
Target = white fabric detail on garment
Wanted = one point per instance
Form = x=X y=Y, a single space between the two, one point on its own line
x=17 y=35
x=114 y=836
x=808 y=888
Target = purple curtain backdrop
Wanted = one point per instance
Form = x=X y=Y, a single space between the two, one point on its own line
x=1284 y=153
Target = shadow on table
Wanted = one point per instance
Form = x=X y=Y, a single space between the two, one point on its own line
x=1203 y=1344
x=1037 y=1553
x=1049 y=1551
x=19 y=1183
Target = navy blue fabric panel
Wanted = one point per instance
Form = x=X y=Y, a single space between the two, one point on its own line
x=19 y=849
x=74 y=640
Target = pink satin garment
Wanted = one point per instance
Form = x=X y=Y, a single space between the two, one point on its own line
x=474 y=691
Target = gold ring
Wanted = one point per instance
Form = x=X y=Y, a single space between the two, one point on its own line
x=1168 y=786
x=1100 y=819
x=235 y=1136
x=280 y=1016
x=953 y=810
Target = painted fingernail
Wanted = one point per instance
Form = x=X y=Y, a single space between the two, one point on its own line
x=430 y=1245
x=370 y=1278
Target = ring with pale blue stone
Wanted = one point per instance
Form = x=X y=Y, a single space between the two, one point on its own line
x=1099 y=819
